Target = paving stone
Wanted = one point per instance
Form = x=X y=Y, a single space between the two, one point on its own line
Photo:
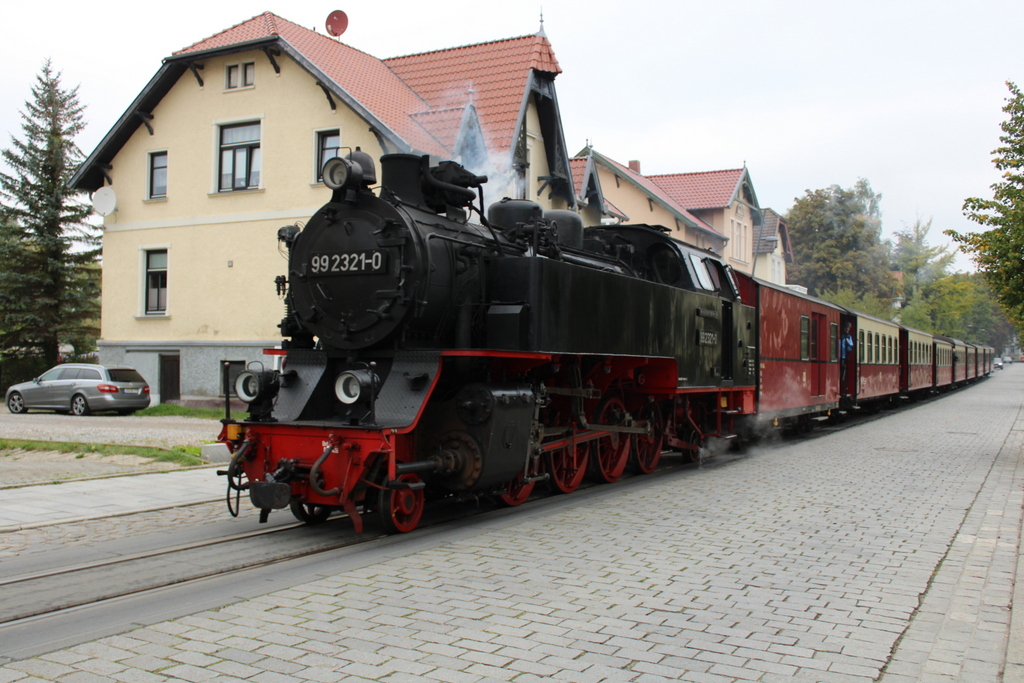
x=805 y=562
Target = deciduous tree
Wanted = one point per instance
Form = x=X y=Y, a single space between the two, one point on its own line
x=837 y=245
x=999 y=251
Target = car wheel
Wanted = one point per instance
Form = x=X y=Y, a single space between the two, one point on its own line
x=15 y=403
x=79 y=406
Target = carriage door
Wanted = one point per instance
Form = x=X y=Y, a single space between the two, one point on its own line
x=728 y=342
x=819 y=351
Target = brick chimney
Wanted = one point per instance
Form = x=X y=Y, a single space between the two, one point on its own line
x=634 y=166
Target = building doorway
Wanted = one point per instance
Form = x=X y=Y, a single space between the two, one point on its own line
x=170 y=378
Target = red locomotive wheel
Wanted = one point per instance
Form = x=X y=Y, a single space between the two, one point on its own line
x=567 y=467
x=612 y=452
x=516 y=492
x=647 y=448
x=401 y=509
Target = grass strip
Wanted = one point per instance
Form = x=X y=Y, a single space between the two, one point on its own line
x=166 y=409
x=187 y=456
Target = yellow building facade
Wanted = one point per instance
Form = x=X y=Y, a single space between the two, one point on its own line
x=219 y=152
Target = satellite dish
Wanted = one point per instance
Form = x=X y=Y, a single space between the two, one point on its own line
x=104 y=201
x=337 y=22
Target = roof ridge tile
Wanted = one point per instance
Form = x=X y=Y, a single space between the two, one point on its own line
x=457 y=47
x=691 y=173
x=187 y=48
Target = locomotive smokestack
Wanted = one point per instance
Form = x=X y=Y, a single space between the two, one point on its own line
x=401 y=175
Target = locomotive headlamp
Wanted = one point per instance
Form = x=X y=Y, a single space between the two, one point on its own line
x=339 y=173
x=352 y=385
x=252 y=386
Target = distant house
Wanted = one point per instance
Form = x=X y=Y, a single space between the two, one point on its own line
x=225 y=144
x=724 y=200
x=606 y=189
x=772 y=248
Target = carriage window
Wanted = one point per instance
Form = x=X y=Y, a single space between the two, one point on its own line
x=833 y=335
x=805 y=338
x=860 y=340
x=878 y=348
x=722 y=278
x=702 y=273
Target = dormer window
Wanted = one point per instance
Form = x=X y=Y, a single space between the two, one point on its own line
x=240 y=76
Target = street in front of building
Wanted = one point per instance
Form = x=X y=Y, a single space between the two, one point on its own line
x=886 y=551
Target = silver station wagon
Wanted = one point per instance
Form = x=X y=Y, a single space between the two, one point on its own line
x=81 y=388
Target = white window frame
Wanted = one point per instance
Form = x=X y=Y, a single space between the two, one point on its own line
x=144 y=250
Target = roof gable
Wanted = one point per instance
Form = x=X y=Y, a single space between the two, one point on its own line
x=705 y=190
x=587 y=186
x=657 y=194
x=366 y=79
x=495 y=76
x=773 y=225
x=477 y=92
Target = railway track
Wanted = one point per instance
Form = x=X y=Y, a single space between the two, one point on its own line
x=34 y=596
x=48 y=593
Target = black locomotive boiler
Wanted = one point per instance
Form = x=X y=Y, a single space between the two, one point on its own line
x=428 y=353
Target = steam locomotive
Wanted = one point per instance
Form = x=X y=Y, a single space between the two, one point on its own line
x=430 y=354
x=427 y=355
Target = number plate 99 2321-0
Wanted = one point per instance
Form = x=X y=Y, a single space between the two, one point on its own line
x=348 y=263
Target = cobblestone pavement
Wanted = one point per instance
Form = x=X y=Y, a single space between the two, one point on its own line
x=93 y=532
x=883 y=552
x=166 y=432
x=32 y=507
x=26 y=468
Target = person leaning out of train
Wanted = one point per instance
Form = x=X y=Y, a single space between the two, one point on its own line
x=845 y=349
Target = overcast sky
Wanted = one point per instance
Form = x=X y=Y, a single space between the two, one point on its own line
x=808 y=94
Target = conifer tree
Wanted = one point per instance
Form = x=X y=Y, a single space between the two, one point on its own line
x=999 y=252
x=49 y=284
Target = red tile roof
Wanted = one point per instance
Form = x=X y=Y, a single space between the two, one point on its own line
x=419 y=97
x=430 y=121
x=496 y=73
x=578 y=168
x=706 y=190
x=577 y=165
x=443 y=124
x=364 y=77
x=653 y=190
